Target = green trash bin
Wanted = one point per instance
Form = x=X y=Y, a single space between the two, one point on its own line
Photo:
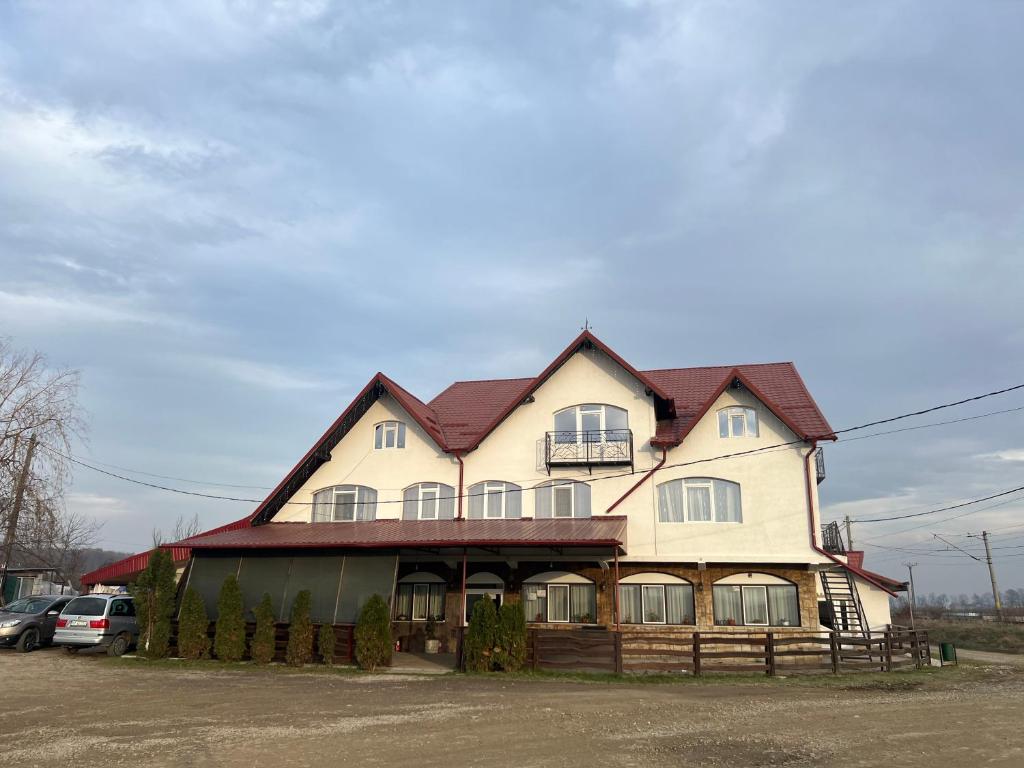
x=947 y=653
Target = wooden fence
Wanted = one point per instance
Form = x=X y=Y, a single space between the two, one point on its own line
x=696 y=653
x=344 y=641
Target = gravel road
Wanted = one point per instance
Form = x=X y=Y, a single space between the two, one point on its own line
x=60 y=710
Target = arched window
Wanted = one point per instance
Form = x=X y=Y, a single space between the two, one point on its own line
x=560 y=597
x=562 y=498
x=656 y=598
x=428 y=501
x=344 y=502
x=755 y=600
x=389 y=434
x=495 y=499
x=419 y=596
x=699 y=500
x=591 y=422
x=737 y=422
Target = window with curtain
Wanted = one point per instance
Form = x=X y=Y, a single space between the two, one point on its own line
x=560 y=603
x=774 y=605
x=562 y=498
x=737 y=422
x=657 y=604
x=535 y=602
x=389 y=434
x=344 y=503
x=428 y=501
x=699 y=500
x=591 y=422
x=419 y=602
x=493 y=499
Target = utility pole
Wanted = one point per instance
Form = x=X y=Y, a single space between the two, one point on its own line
x=991 y=574
x=913 y=593
x=12 y=521
x=849 y=534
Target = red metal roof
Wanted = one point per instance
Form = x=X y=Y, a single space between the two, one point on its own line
x=461 y=416
x=127 y=569
x=386 y=534
x=777 y=385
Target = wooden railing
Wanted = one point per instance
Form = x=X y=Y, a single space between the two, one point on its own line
x=676 y=651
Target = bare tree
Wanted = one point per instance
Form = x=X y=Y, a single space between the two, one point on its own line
x=39 y=409
x=184 y=528
x=52 y=537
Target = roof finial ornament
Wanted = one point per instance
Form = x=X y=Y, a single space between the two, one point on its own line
x=586 y=325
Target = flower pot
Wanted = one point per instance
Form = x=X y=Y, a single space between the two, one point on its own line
x=432 y=645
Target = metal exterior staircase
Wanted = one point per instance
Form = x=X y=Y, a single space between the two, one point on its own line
x=844 y=603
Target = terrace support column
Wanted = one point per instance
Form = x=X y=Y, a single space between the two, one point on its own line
x=618 y=621
x=462 y=616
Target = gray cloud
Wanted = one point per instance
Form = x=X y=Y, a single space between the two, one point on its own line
x=231 y=214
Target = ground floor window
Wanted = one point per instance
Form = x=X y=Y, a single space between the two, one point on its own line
x=419 y=602
x=560 y=603
x=657 y=604
x=756 y=605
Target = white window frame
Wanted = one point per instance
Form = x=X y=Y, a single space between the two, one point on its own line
x=423 y=492
x=601 y=409
x=750 y=416
x=424 y=590
x=702 y=482
x=394 y=429
x=643 y=603
x=569 y=488
x=743 y=605
x=494 y=491
x=354 y=493
x=548 y=589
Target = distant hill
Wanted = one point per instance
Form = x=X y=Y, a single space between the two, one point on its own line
x=97 y=558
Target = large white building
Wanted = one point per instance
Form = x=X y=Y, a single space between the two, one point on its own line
x=594 y=493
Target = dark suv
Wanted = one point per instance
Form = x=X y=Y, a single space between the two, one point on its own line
x=30 y=622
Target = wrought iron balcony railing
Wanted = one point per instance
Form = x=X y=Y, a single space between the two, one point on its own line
x=600 y=447
x=832 y=539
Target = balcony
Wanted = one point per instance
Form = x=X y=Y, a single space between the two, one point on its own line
x=594 y=448
x=832 y=539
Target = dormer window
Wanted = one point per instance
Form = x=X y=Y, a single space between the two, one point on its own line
x=737 y=422
x=389 y=434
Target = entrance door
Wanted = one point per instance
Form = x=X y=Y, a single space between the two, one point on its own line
x=477 y=586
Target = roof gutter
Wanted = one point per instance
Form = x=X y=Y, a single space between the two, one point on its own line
x=462 y=468
x=641 y=481
x=814 y=529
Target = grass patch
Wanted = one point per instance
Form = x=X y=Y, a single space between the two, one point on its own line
x=976 y=635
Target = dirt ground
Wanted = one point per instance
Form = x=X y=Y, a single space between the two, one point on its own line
x=94 y=711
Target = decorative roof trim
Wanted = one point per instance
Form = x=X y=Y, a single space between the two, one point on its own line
x=580 y=342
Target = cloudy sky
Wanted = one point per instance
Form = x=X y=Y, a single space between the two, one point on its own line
x=229 y=215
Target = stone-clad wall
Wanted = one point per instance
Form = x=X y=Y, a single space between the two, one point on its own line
x=605 y=581
x=702 y=580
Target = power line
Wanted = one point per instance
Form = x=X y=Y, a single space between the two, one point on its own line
x=930 y=410
x=941 y=509
x=694 y=462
